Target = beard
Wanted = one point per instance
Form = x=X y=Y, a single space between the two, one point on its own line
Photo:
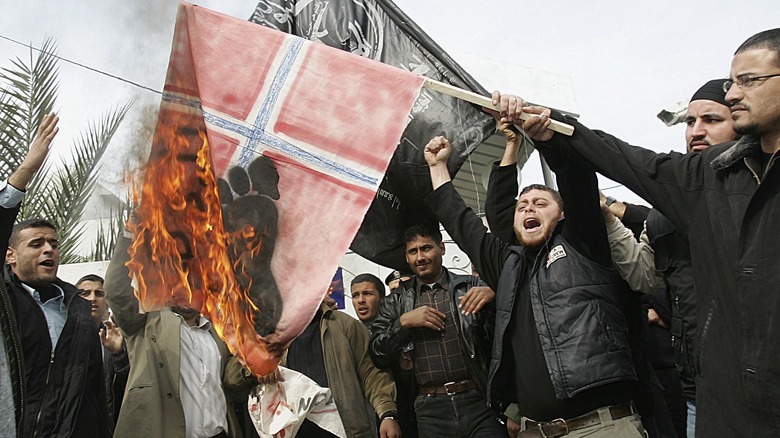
x=537 y=241
x=757 y=128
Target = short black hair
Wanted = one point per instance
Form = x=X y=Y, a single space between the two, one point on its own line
x=556 y=196
x=91 y=277
x=370 y=278
x=25 y=224
x=768 y=39
x=423 y=230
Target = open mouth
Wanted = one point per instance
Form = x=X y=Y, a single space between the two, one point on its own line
x=47 y=263
x=531 y=224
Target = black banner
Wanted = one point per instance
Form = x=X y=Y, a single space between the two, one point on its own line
x=379 y=30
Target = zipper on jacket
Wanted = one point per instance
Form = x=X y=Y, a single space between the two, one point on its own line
x=753 y=172
x=43 y=399
x=766 y=171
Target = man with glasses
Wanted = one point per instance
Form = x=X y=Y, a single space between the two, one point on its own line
x=726 y=200
x=662 y=258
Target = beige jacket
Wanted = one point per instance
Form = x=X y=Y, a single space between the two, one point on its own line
x=634 y=261
x=151 y=407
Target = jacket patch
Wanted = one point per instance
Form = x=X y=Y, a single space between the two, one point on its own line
x=556 y=253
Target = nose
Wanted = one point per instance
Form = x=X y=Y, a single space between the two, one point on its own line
x=734 y=94
x=699 y=130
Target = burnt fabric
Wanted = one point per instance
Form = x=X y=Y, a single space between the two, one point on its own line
x=379 y=30
x=260 y=147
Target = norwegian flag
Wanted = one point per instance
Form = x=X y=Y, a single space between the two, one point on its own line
x=300 y=136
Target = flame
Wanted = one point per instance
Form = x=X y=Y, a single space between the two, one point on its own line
x=182 y=255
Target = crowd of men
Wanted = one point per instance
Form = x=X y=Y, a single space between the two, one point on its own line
x=589 y=316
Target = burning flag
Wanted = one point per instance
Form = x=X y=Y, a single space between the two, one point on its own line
x=380 y=30
x=268 y=151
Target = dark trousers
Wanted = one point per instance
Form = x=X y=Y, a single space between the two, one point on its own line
x=463 y=415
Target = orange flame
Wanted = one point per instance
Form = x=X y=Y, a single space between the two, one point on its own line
x=181 y=253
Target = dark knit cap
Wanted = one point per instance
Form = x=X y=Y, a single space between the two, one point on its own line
x=712 y=90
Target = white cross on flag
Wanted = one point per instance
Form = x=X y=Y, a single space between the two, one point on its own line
x=268 y=151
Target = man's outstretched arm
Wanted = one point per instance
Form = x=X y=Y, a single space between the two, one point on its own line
x=672 y=183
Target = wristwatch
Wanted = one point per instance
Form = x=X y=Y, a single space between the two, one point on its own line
x=610 y=200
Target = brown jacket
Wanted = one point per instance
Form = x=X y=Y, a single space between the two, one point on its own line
x=151 y=407
x=345 y=351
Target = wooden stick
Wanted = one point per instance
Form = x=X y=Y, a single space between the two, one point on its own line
x=487 y=102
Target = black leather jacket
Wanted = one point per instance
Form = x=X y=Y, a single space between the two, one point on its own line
x=389 y=340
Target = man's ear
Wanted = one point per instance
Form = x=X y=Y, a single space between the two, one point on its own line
x=10 y=257
x=443 y=248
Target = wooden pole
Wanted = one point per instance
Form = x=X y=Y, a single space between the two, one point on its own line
x=487 y=102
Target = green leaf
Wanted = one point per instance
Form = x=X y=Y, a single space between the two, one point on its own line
x=60 y=191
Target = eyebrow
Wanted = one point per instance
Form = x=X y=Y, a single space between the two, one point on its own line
x=707 y=115
x=43 y=239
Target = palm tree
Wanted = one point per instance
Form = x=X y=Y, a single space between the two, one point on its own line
x=28 y=91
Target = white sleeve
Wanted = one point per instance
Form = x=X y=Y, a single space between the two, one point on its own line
x=10 y=196
x=634 y=261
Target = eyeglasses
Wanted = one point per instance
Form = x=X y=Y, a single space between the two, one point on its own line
x=746 y=82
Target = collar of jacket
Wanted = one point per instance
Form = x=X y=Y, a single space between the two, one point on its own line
x=742 y=148
x=67 y=289
x=326 y=310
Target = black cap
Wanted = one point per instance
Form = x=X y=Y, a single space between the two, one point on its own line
x=712 y=90
x=395 y=275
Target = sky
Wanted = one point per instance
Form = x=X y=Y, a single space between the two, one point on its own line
x=625 y=60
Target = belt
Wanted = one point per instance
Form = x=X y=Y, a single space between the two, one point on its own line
x=450 y=388
x=561 y=427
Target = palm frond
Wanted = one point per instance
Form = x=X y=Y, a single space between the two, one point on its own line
x=28 y=91
x=34 y=86
x=75 y=181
